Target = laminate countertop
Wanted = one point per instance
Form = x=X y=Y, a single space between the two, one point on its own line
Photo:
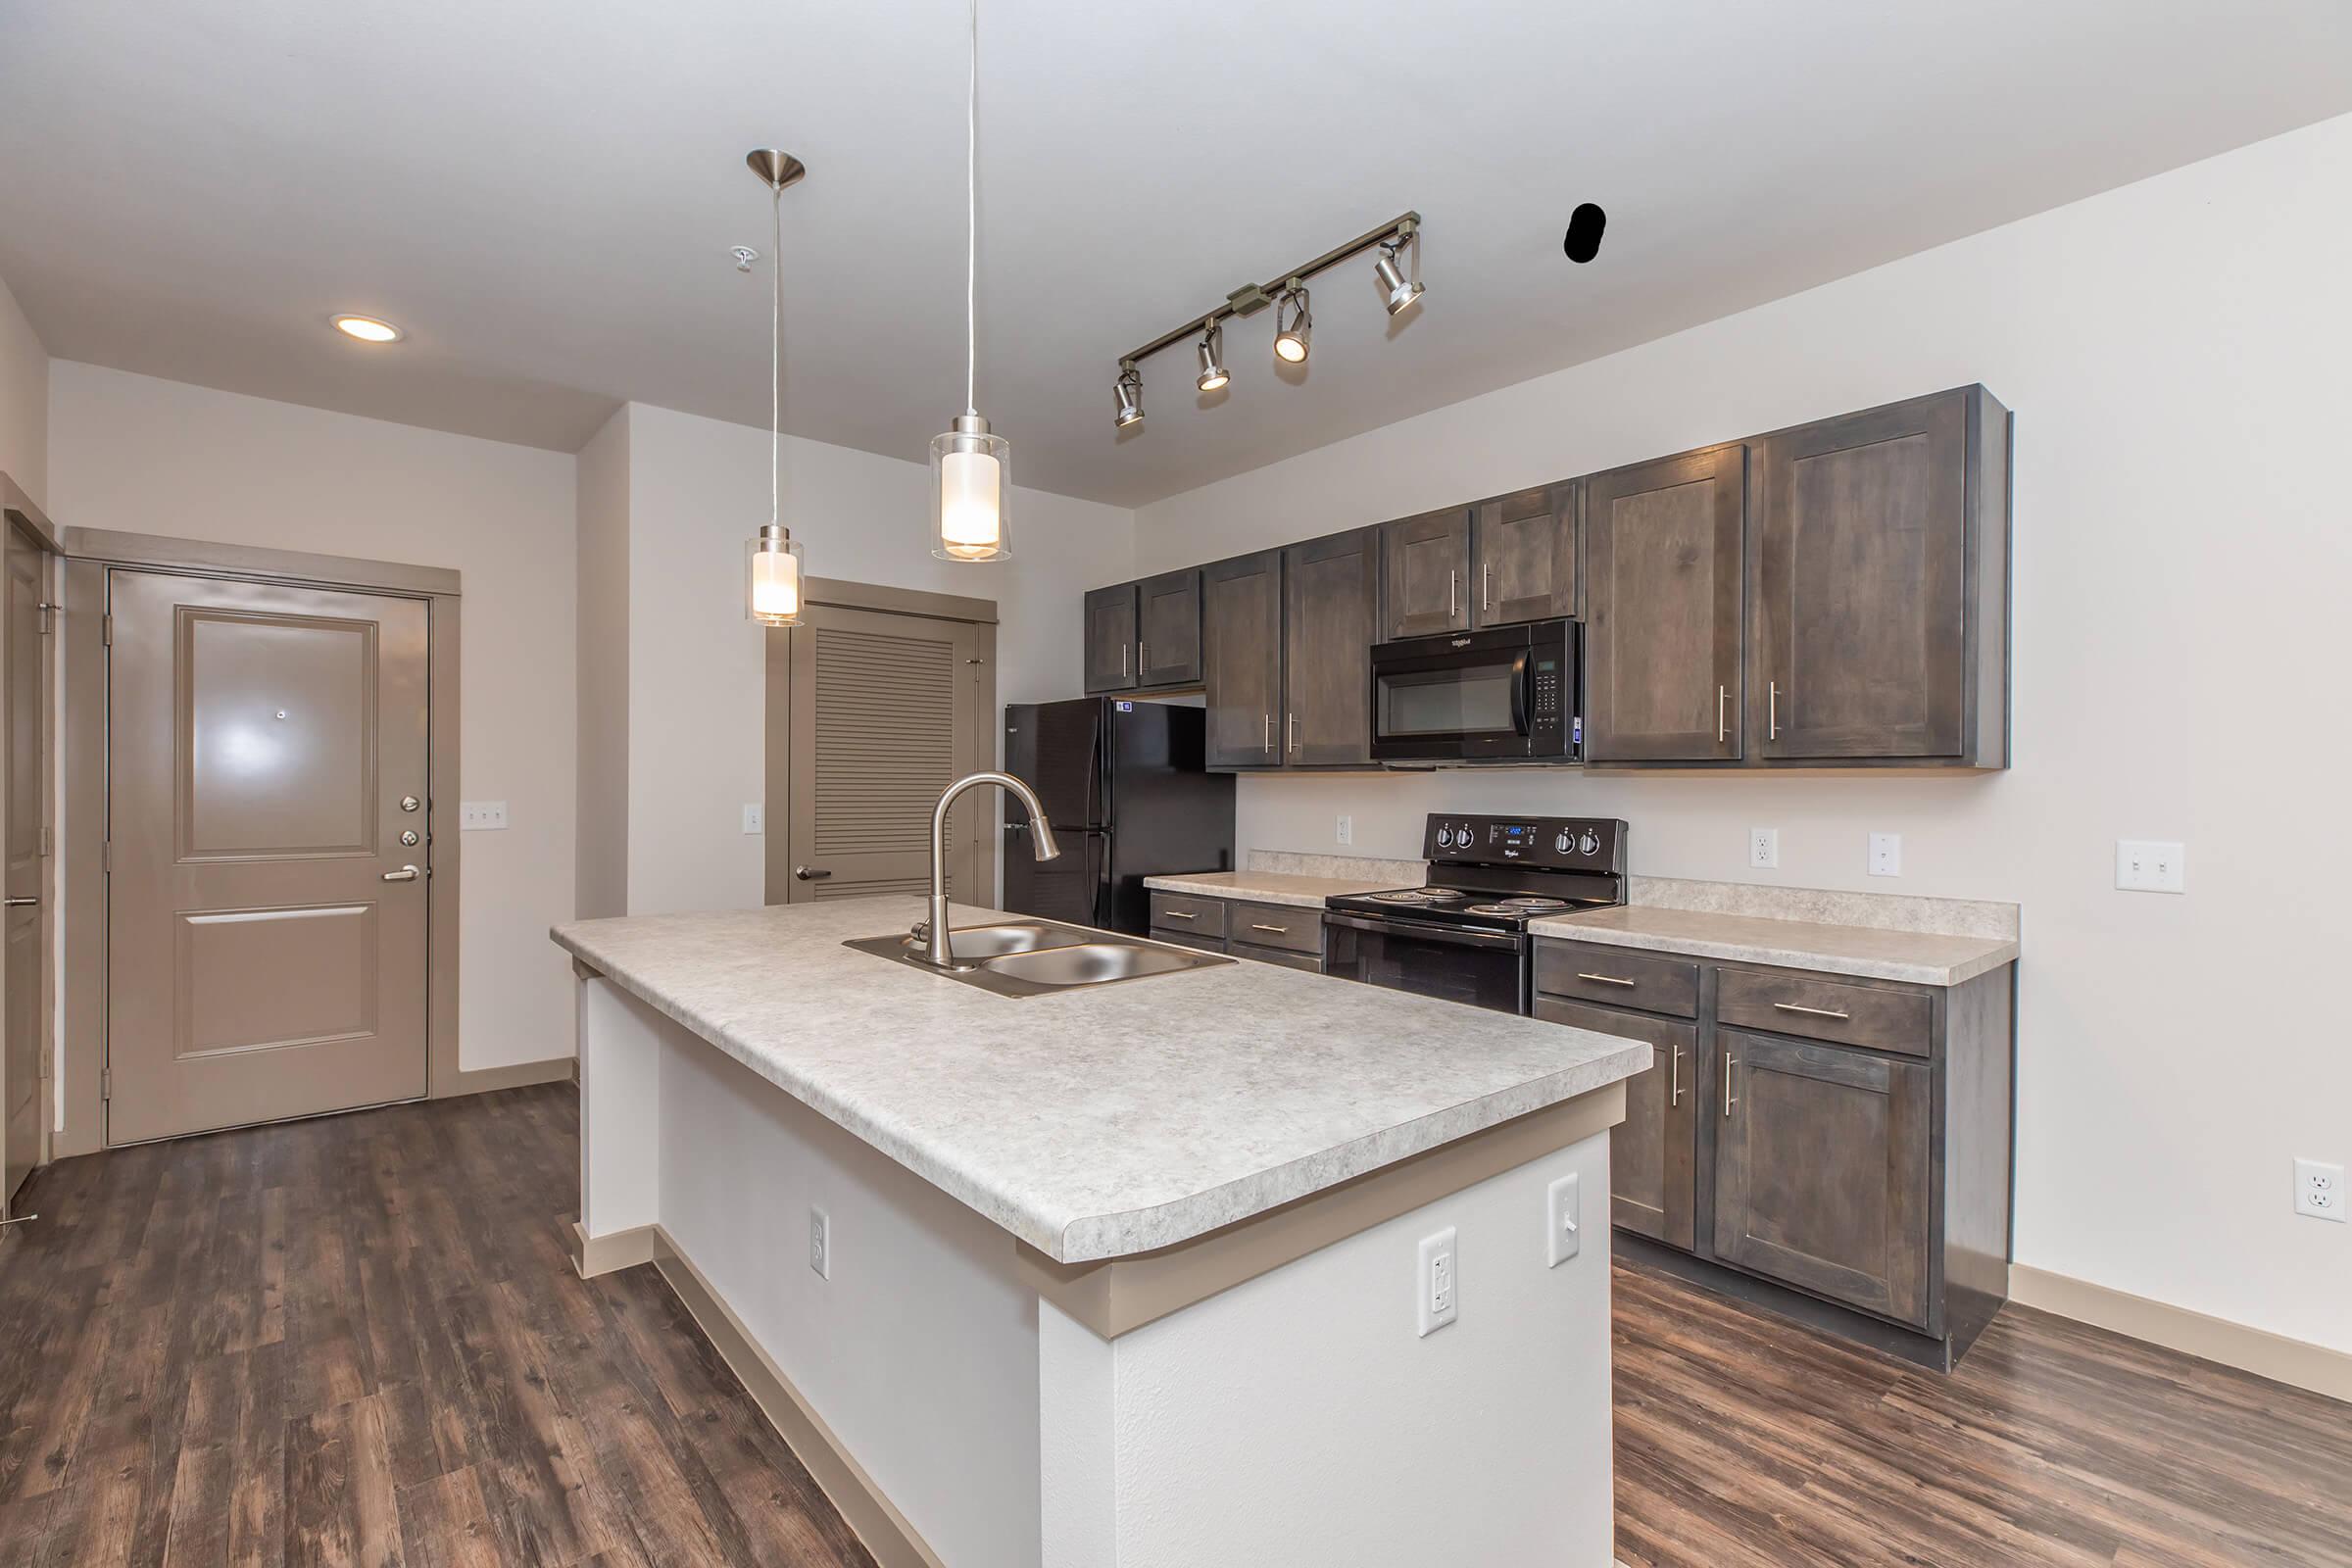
x=1922 y=957
x=1105 y=1121
x=1269 y=887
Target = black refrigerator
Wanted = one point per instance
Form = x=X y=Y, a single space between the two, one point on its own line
x=1127 y=788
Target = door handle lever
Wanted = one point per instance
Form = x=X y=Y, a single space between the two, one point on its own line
x=19 y=904
x=406 y=873
x=810 y=873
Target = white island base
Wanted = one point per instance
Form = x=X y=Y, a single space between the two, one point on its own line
x=1259 y=1396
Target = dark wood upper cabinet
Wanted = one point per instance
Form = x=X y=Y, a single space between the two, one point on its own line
x=1111 y=637
x=1823 y=1170
x=1665 y=570
x=1653 y=1154
x=1523 y=556
x=1169 y=629
x=1241 y=636
x=1425 y=585
x=1880 y=624
x=1331 y=590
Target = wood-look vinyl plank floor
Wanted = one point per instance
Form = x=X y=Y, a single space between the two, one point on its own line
x=359 y=1341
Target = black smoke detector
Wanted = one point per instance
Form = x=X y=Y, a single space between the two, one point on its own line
x=1583 y=240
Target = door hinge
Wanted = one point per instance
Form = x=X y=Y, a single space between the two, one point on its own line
x=45 y=607
x=106 y=1083
x=44 y=842
x=106 y=628
x=105 y=858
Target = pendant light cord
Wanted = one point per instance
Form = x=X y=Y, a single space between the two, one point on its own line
x=972 y=208
x=775 y=362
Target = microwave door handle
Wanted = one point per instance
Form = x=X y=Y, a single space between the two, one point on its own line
x=1519 y=696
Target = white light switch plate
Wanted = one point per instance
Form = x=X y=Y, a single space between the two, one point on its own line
x=1764 y=847
x=477 y=816
x=1565 y=1216
x=754 y=818
x=1885 y=855
x=2151 y=866
x=1436 y=1289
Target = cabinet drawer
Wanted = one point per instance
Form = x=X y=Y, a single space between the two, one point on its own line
x=1617 y=977
x=1288 y=960
x=1826 y=1009
x=1191 y=916
x=1277 y=925
x=1178 y=939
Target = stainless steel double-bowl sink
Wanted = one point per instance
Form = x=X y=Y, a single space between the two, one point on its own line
x=1032 y=957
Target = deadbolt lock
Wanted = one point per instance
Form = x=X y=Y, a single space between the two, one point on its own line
x=408 y=836
x=410 y=803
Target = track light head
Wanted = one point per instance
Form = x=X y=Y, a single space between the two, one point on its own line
x=1295 y=324
x=1129 y=392
x=1212 y=358
x=1403 y=293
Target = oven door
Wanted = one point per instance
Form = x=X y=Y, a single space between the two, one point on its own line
x=1451 y=697
x=1458 y=963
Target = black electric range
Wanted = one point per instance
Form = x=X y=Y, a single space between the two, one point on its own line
x=1463 y=935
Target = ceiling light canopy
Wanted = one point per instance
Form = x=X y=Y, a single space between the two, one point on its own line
x=1293 y=320
x=367 y=329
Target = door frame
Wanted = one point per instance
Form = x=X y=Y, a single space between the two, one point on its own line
x=89 y=555
x=17 y=511
x=777 y=768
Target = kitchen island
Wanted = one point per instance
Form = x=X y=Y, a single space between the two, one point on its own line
x=1129 y=1273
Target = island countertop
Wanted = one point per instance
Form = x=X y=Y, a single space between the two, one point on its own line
x=1103 y=1121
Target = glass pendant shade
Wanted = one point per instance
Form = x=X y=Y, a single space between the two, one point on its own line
x=773 y=571
x=971 y=492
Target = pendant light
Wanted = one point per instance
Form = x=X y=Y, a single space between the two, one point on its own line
x=772 y=573
x=972 y=468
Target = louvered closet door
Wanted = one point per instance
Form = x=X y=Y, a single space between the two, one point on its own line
x=886 y=712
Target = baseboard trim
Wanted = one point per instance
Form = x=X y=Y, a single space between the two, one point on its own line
x=2296 y=1362
x=602 y=1254
x=514 y=1075
x=884 y=1530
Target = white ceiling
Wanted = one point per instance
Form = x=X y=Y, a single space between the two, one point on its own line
x=543 y=192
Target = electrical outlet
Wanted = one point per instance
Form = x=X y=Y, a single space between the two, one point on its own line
x=1564 y=1217
x=821 y=1243
x=1885 y=855
x=1435 y=1290
x=476 y=817
x=1764 y=847
x=754 y=818
x=2151 y=866
x=2319 y=1190
x=1347 y=831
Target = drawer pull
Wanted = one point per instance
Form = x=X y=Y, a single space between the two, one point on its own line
x=1278 y=930
x=1729 y=1099
x=1675 y=1077
x=1177 y=914
x=1814 y=1012
x=1607 y=980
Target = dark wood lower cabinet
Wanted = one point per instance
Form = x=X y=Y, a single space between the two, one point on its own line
x=1822 y=1167
x=1654 y=1155
x=1289 y=936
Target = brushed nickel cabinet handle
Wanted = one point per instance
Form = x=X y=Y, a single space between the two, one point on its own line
x=1723 y=730
x=1486 y=585
x=1278 y=930
x=1294 y=730
x=1729 y=1099
x=1267 y=745
x=1125 y=653
x=1453 y=590
x=1143 y=656
x=1177 y=914
x=1606 y=980
x=406 y=873
x=1814 y=1012
x=1773 y=709
x=1675 y=1077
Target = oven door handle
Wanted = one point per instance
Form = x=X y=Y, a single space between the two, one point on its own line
x=1457 y=936
x=1519 y=696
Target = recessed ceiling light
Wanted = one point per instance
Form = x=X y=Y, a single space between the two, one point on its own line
x=367 y=330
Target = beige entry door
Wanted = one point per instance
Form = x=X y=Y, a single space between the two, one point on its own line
x=267 y=911
x=883 y=711
x=21 y=927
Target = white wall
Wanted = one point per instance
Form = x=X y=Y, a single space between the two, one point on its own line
x=2173 y=350
x=23 y=402
x=133 y=453
x=603 y=641
x=697 y=490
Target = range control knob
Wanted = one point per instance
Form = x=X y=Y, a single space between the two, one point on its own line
x=1590 y=843
x=1445 y=837
x=1560 y=844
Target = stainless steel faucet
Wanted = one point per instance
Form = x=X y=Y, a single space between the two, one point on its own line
x=934 y=930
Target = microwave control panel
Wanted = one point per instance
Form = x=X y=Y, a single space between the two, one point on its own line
x=1547 y=705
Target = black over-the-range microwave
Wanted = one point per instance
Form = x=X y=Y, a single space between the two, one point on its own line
x=1504 y=694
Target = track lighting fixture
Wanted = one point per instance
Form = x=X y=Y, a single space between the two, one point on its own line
x=1130 y=394
x=1293 y=318
x=1294 y=325
x=1213 y=358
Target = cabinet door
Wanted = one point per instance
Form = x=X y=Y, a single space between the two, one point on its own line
x=1822 y=1175
x=1523 y=556
x=1331 y=602
x=1241 y=647
x=1653 y=1154
x=1111 y=637
x=1663 y=547
x=1169 y=629
x=1861 y=583
x=1426 y=572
